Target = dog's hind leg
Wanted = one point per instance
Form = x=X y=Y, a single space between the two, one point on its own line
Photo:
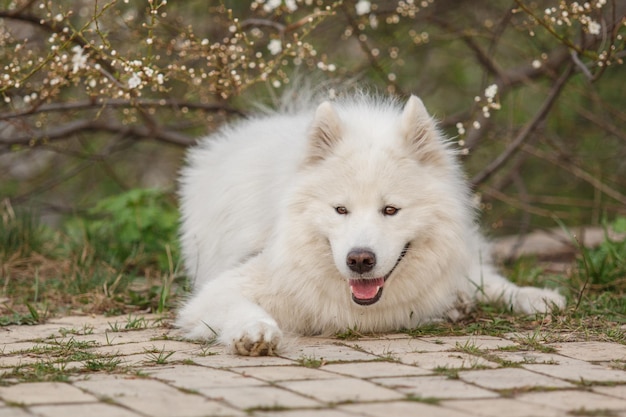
x=491 y=287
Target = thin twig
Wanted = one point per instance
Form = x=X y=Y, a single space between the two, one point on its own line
x=367 y=50
x=577 y=172
x=524 y=134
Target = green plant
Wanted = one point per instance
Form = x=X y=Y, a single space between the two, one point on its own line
x=106 y=364
x=604 y=267
x=134 y=228
x=158 y=357
x=311 y=361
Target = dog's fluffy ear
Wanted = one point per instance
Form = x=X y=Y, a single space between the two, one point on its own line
x=420 y=132
x=325 y=131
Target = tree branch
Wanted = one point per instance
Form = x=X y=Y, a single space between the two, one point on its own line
x=101 y=102
x=40 y=137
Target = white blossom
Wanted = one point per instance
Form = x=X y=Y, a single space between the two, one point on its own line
x=134 y=81
x=491 y=91
x=363 y=7
x=275 y=46
x=291 y=5
x=594 y=27
x=271 y=5
x=79 y=60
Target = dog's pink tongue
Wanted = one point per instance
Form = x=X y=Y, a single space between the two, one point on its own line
x=364 y=289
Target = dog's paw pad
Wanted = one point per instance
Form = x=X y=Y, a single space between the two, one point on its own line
x=258 y=339
x=530 y=300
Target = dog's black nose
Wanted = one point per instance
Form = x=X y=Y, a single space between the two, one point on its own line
x=361 y=260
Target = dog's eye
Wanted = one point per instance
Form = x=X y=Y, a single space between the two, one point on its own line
x=341 y=210
x=390 y=211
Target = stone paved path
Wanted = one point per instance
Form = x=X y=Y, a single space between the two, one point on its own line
x=138 y=366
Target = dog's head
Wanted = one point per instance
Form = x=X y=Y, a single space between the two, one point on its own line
x=380 y=185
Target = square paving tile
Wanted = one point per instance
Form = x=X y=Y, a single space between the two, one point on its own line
x=480 y=342
x=618 y=391
x=435 y=387
x=592 y=351
x=511 y=378
x=395 y=347
x=499 y=407
x=85 y=409
x=264 y=397
x=576 y=373
x=328 y=412
x=327 y=352
x=374 y=369
x=342 y=390
x=404 y=409
x=196 y=377
x=228 y=360
x=432 y=360
x=44 y=393
x=14 y=412
x=574 y=400
x=154 y=398
x=284 y=373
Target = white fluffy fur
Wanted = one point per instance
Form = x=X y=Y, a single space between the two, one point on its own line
x=267 y=249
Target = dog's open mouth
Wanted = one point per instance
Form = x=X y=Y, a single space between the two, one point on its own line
x=366 y=292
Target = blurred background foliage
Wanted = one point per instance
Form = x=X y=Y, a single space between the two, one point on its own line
x=100 y=99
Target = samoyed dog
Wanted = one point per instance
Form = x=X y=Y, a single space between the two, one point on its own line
x=352 y=214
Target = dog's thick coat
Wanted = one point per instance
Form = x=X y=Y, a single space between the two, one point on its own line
x=352 y=215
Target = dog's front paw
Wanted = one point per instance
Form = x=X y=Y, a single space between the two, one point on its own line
x=257 y=339
x=531 y=300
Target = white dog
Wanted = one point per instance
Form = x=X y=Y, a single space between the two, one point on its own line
x=352 y=215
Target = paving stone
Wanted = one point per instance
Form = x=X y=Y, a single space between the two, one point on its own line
x=592 y=351
x=154 y=398
x=86 y=409
x=147 y=347
x=17 y=360
x=374 y=369
x=109 y=338
x=498 y=407
x=12 y=348
x=511 y=378
x=395 y=347
x=196 y=377
x=574 y=400
x=341 y=390
x=44 y=393
x=228 y=360
x=264 y=397
x=454 y=360
x=587 y=372
x=435 y=387
x=539 y=358
x=329 y=412
x=327 y=352
x=14 y=412
x=618 y=391
x=481 y=342
x=97 y=321
x=11 y=334
x=403 y=408
x=284 y=373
